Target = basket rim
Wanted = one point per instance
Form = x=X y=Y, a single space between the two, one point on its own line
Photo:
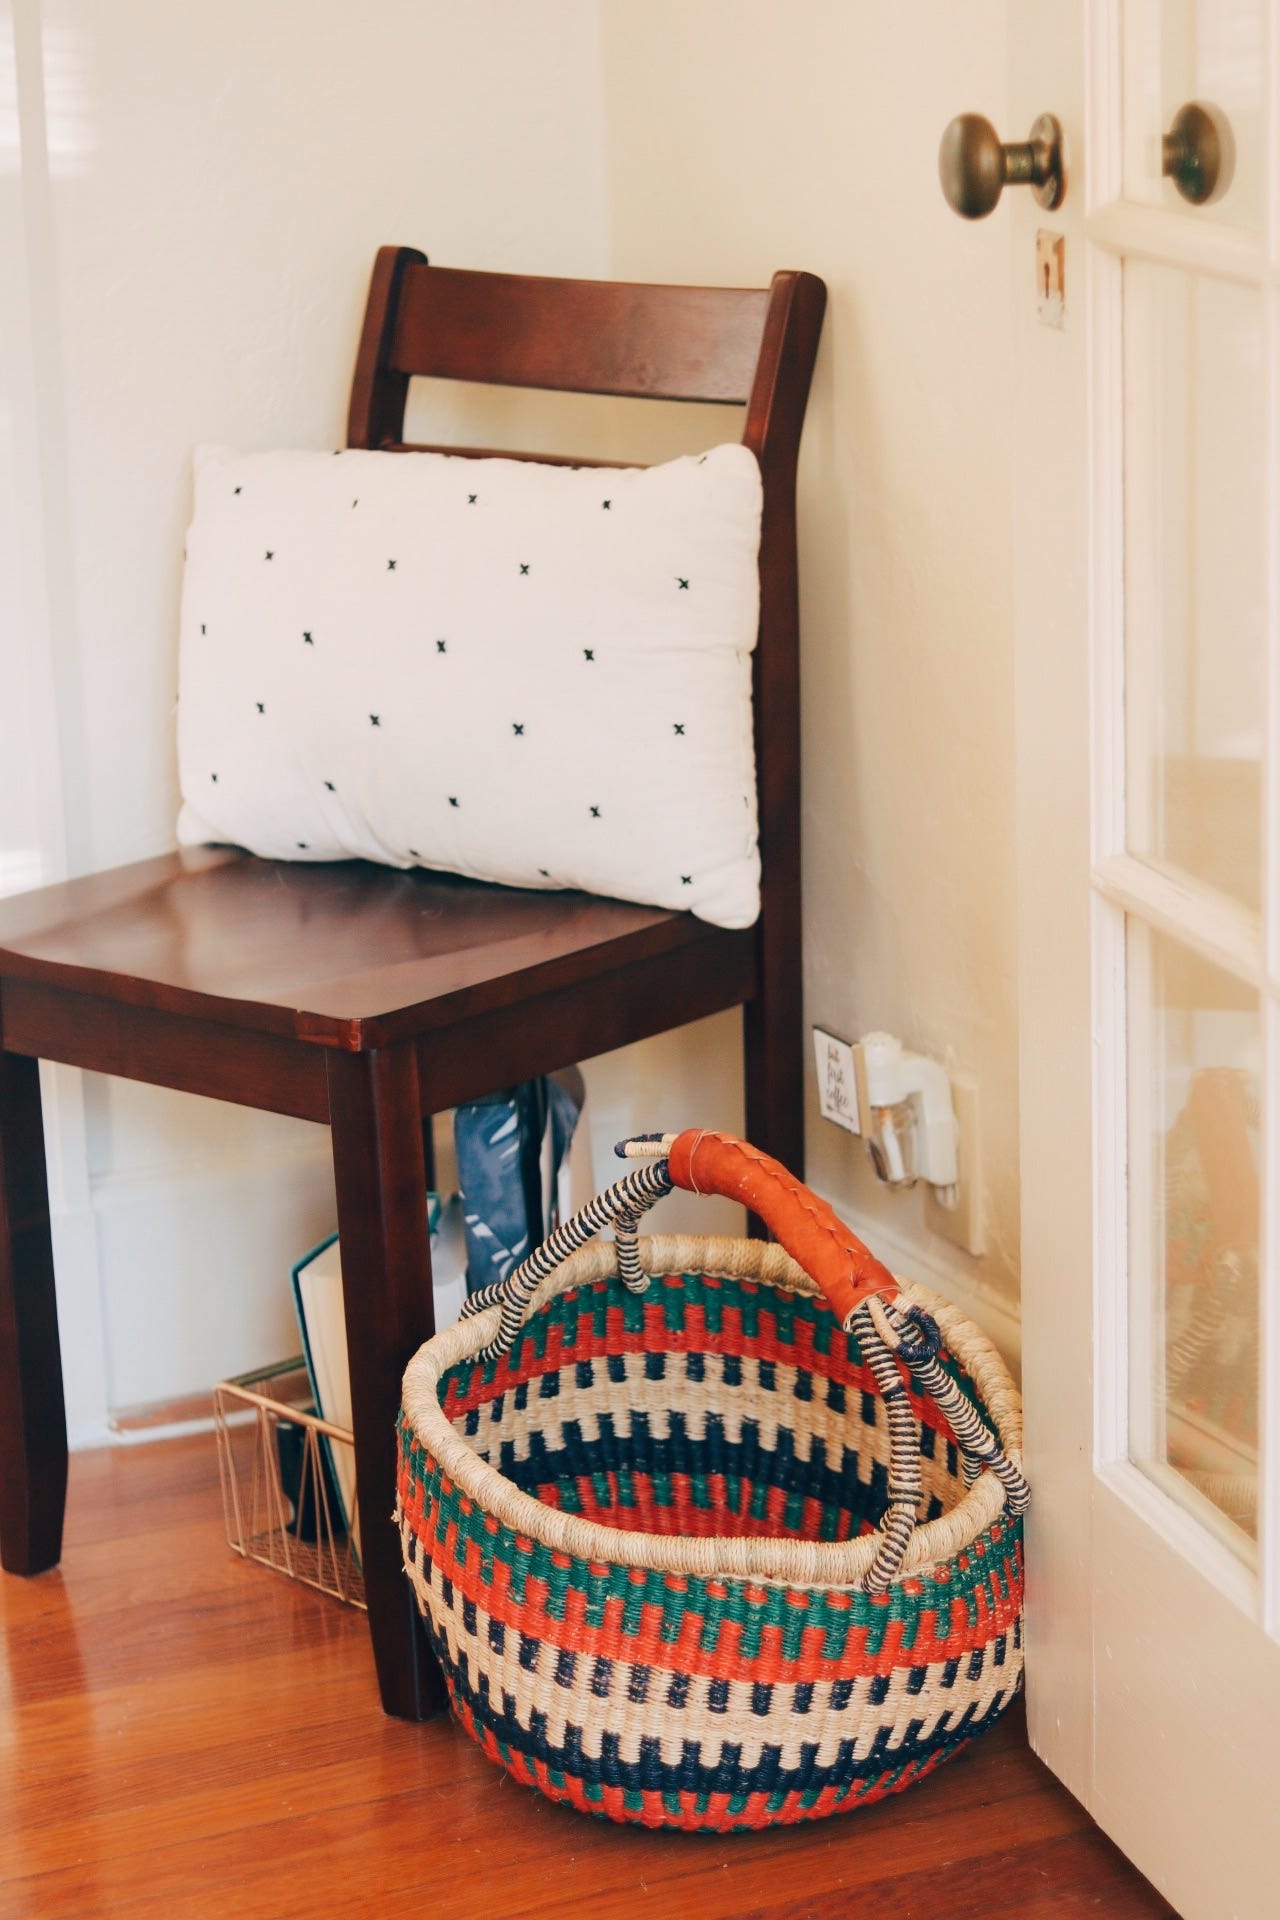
x=770 y=1559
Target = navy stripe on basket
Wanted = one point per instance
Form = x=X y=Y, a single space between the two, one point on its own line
x=840 y=1491
x=699 y=1771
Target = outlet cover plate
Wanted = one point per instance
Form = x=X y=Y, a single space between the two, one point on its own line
x=837 y=1081
x=963 y=1224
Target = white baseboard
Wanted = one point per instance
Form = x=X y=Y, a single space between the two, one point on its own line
x=84 y=1439
x=194 y=1263
x=81 y=1335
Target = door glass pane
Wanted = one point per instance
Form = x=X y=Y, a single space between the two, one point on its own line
x=1194 y=1152
x=1210 y=52
x=1195 y=573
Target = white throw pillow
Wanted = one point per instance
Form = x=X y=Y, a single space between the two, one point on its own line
x=532 y=674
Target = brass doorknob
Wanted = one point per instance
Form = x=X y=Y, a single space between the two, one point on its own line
x=975 y=167
x=1199 y=153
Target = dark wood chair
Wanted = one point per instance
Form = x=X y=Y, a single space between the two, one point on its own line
x=368 y=998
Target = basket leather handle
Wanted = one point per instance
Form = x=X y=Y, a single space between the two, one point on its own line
x=702 y=1162
x=843 y=1267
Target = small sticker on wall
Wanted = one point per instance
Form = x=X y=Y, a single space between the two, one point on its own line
x=1051 y=257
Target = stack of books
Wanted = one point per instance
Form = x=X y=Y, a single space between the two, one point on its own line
x=317 y=1298
x=317 y=1291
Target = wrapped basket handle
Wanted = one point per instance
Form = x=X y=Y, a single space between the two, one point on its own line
x=704 y=1163
x=860 y=1290
x=843 y=1267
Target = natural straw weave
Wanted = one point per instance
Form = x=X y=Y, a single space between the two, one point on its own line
x=606 y=1638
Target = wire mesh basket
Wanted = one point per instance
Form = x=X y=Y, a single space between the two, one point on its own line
x=279 y=1486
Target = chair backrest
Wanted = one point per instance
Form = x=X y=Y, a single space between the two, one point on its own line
x=739 y=346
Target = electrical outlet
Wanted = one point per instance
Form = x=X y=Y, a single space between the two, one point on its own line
x=963 y=1223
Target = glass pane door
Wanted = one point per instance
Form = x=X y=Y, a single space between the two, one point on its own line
x=1191 y=880
x=1196 y=579
x=1195 y=1118
x=1211 y=53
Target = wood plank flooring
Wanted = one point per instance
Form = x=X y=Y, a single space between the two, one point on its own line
x=182 y=1734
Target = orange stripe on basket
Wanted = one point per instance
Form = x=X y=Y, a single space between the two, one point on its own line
x=724 y=1661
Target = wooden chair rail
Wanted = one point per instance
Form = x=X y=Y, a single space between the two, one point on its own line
x=459 y=1059
x=164 y=1049
x=574 y=1023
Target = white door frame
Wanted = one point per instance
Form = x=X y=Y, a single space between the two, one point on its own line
x=1150 y=1668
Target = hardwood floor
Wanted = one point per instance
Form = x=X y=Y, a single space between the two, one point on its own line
x=183 y=1734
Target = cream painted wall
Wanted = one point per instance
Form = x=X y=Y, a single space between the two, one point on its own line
x=193 y=201
x=193 y=195
x=745 y=136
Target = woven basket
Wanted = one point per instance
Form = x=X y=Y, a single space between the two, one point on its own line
x=693 y=1549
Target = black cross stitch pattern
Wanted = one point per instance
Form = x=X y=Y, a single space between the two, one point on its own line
x=460 y=663
x=235 y=489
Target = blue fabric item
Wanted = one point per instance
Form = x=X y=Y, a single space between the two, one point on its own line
x=498 y=1141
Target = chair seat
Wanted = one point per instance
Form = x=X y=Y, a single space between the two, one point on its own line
x=350 y=954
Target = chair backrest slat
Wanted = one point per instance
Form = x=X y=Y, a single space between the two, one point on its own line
x=579 y=336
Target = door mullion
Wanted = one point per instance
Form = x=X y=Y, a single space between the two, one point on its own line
x=1110 y=797
x=1269 y=1331
x=1269 y=1225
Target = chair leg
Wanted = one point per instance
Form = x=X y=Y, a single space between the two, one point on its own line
x=376 y=1119
x=33 y=1422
